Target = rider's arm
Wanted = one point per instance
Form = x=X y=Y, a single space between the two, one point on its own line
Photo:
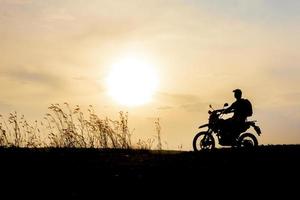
x=219 y=110
x=229 y=109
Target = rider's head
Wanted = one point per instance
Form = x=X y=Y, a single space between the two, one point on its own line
x=237 y=93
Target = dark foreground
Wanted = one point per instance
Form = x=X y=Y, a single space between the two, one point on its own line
x=90 y=172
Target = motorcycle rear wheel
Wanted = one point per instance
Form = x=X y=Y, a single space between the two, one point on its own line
x=247 y=140
x=203 y=141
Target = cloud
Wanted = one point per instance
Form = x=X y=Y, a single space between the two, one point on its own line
x=289 y=98
x=188 y=102
x=4 y=104
x=16 y=2
x=177 y=99
x=29 y=76
x=286 y=73
x=60 y=15
x=80 y=78
x=293 y=95
x=165 y=108
x=89 y=83
x=195 y=107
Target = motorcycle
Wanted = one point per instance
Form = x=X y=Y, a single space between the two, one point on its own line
x=235 y=136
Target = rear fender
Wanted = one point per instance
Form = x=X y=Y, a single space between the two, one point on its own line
x=256 y=128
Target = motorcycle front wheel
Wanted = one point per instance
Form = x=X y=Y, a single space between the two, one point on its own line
x=247 y=140
x=203 y=141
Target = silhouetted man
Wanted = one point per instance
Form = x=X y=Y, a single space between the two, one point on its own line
x=241 y=108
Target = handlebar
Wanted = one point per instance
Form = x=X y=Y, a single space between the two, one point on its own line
x=219 y=110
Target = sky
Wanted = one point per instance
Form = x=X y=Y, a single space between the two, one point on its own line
x=55 y=51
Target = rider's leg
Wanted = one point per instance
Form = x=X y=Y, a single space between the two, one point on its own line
x=228 y=128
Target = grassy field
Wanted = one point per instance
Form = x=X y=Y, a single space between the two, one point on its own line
x=81 y=172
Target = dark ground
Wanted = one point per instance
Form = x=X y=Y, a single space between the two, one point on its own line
x=91 y=172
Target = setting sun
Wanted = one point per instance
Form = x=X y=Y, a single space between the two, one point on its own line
x=132 y=81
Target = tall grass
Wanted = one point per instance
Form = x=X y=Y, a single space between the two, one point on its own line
x=158 y=131
x=66 y=127
x=17 y=132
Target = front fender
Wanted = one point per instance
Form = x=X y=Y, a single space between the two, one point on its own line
x=204 y=125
